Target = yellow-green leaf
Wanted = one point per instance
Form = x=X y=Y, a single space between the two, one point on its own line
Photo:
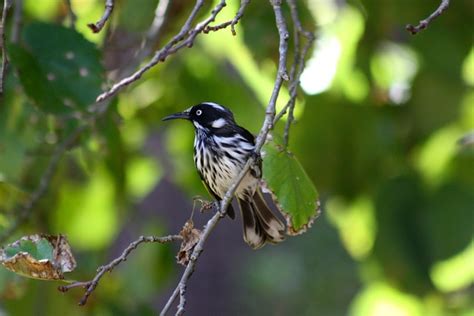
x=292 y=190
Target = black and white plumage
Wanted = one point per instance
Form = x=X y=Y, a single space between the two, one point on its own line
x=221 y=149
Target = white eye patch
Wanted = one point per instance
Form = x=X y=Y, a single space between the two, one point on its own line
x=198 y=112
x=219 y=123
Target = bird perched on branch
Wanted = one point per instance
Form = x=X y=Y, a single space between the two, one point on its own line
x=221 y=149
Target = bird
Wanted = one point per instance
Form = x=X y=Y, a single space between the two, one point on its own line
x=221 y=149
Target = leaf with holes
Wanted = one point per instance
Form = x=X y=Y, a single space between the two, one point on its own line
x=43 y=257
x=59 y=69
x=292 y=190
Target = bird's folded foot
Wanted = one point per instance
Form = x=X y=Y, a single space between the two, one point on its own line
x=207 y=206
x=255 y=168
x=256 y=156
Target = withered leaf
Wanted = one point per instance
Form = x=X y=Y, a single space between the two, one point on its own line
x=191 y=237
x=44 y=257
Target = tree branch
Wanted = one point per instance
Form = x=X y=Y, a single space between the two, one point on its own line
x=158 y=21
x=6 y=6
x=97 y=26
x=185 y=37
x=298 y=65
x=232 y=23
x=424 y=23
x=267 y=126
x=90 y=286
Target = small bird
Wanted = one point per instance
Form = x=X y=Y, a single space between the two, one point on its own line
x=221 y=149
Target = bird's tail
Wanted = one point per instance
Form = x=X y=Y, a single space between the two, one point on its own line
x=259 y=223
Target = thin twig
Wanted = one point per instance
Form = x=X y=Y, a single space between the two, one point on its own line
x=424 y=23
x=298 y=65
x=97 y=26
x=17 y=20
x=232 y=23
x=3 y=48
x=71 y=14
x=267 y=126
x=296 y=69
x=185 y=38
x=90 y=286
x=150 y=40
x=158 y=21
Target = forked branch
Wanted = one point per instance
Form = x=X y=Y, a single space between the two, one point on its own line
x=185 y=38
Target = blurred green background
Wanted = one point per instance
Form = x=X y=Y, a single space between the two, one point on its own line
x=379 y=118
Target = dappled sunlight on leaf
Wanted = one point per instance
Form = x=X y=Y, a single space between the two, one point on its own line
x=468 y=68
x=332 y=63
x=454 y=273
x=142 y=96
x=142 y=175
x=434 y=156
x=381 y=299
x=356 y=224
x=42 y=10
x=322 y=66
x=87 y=212
x=394 y=67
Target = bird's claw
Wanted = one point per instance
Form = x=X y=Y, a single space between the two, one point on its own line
x=207 y=206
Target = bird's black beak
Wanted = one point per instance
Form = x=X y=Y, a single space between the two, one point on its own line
x=181 y=115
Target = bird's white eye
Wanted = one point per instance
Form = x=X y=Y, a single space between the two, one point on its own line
x=198 y=112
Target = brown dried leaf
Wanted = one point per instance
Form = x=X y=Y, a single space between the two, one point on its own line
x=44 y=257
x=191 y=237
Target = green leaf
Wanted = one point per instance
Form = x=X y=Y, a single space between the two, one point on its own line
x=35 y=81
x=291 y=188
x=43 y=257
x=59 y=69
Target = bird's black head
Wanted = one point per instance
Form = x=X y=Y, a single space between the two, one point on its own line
x=206 y=116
